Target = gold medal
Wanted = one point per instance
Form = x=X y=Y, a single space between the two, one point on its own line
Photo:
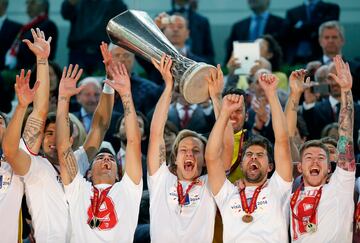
x=247 y=218
x=310 y=228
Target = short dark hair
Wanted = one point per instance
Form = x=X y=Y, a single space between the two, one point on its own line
x=316 y=144
x=260 y=141
x=51 y=118
x=275 y=48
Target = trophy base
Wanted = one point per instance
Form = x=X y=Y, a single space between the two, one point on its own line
x=194 y=85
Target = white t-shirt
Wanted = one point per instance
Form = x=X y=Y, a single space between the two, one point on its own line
x=46 y=199
x=195 y=223
x=335 y=212
x=11 y=192
x=270 y=218
x=120 y=210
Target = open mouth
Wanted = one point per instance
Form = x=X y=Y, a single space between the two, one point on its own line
x=314 y=171
x=189 y=165
x=253 y=167
x=106 y=166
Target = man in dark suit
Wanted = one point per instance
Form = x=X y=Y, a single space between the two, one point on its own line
x=8 y=31
x=200 y=40
x=332 y=39
x=259 y=23
x=321 y=113
x=301 y=27
x=19 y=56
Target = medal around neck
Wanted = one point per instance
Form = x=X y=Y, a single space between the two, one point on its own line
x=135 y=31
x=311 y=228
x=247 y=218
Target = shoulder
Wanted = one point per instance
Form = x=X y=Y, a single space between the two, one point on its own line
x=241 y=22
x=275 y=18
x=329 y=6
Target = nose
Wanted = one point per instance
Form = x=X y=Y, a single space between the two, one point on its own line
x=189 y=153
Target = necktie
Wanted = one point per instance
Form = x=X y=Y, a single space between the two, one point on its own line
x=255 y=32
x=186 y=117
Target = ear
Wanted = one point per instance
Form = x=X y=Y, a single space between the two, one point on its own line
x=299 y=168
x=271 y=167
x=71 y=140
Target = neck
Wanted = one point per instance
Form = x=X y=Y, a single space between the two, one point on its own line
x=248 y=183
x=103 y=180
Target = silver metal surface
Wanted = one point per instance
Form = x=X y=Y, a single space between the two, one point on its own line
x=135 y=31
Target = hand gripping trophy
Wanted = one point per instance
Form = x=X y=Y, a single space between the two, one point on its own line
x=135 y=31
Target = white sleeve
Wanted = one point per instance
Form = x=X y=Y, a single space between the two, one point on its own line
x=131 y=189
x=158 y=178
x=75 y=188
x=225 y=193
x=36 y=170
x=82 y=160
x=343 y=181
x=24 y=147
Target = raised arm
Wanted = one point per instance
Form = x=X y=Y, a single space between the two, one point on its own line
x=297 y=86
x=156 y=151
x=17 y=158
x=216 y=86
x=102 y=115
x=282 y=156
x=214 y=147
x=34 y=129
x=67 y=88
x=345 y=146
x=121 y=84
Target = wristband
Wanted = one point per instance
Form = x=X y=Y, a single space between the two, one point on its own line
x=107 y=89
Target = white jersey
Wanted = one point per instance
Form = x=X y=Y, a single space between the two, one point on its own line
x=270 y=218
x=46 y=199
x=335 y=212
x=11 y=193
x=119 y=210
x=193 y=222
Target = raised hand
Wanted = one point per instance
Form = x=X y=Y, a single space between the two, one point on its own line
x=343 y=77
x=233 y=64
x=164 y=68
x=260 y=108
x=268 y=83
x=297 y=81
x=69 y=78
x=107 y=58
x=231 y=103
x=120 y=77
x=41 y=46
x=215 y=82
x=24 y=94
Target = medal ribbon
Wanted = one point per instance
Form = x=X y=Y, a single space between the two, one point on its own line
x=357 y=213
x=245 y=206
x=179 y=188
x=96 y=201
x=295 y=197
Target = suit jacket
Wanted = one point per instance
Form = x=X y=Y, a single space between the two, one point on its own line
x=240 y=31
x=322 y=114
x=25 y=58
x=309 y=29
x=200 y=40
x=199 y=121
x=8 y=33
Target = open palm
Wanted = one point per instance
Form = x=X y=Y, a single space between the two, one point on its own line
x=41 y=46
x=24 y=94
x=69 y=78
x=343 y=77
x=120 y=77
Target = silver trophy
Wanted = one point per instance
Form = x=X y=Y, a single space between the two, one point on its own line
x=135 y=31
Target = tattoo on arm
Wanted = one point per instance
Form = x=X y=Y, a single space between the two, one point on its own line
x=32 y=131
x=162 y=153
x=41 y=62
x=63 y=98
x=70 y=162
x=294 y=105
x=345 y=147
x=126 y=104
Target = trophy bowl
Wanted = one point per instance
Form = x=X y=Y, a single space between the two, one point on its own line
x=135 y=31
